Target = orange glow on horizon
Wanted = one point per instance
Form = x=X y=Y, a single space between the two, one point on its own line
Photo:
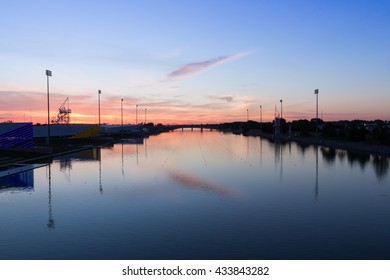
x=19 y=106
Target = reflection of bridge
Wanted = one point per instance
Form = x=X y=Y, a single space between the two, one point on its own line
x=192 y=126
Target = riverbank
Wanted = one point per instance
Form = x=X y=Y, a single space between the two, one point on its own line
x=42 y=152
x=60 y=146
x=333 y=144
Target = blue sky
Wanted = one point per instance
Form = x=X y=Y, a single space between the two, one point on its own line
x=196 y=61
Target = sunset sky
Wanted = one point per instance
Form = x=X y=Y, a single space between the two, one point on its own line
x=203 y=61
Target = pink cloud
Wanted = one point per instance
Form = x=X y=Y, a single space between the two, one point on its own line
x=192 y=69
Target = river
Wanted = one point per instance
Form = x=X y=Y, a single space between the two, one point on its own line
x=199 y=195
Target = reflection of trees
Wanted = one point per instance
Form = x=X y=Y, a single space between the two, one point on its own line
x=362 y=159
x=381 y=165
x=328 y=154
x=341 y=155
x=66 y=163
x=302 y=147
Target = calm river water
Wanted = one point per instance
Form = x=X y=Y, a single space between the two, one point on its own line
x=199 y=195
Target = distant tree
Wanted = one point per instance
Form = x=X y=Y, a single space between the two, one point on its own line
x=356 y=132
x=380 y=133
x=329 y=130
x=301 y=126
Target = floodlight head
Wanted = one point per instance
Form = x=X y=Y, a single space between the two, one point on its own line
x=48 y=73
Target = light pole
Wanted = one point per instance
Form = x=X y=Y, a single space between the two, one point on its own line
x=145 y=115
x=281 y=116
x=316 y=93
x=48 y=74
x=99 y=93
x=136 y=114
x=122 y=114
x=261 y=117
x=281 y=108
x=247 y=114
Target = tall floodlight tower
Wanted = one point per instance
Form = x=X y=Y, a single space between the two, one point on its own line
x=99 y=93
x=136 y=114
x=122 y=114
x=316 y=93
x=48 y=74
x=281 y=108
x=261 y=117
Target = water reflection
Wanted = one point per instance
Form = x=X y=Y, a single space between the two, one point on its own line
x=379 y=163
x=316 y=188
x=175 y=206
x=23 y=181
x=303 y=147
x=85 y=155
x=381 y=166
x=279 y=157
x=329 y=155
x=195 y=182
x=360 y=159
x=98 y=154
x=50 y=222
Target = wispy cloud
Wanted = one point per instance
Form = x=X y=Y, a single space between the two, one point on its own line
x=227 y=98
x=192 y=69
x=232 y=98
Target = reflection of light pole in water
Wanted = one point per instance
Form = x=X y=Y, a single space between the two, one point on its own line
x=279 y=156
x=316 y=184
x=123 y=170
x=50 y=222
x=247 y=149
x=100 y=171
x=261 y=150
x=146 y=147
x=281 y=162
x=136 y=147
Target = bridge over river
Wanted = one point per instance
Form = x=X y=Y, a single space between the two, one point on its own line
x=192 y=126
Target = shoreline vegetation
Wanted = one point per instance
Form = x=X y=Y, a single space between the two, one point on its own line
x=354 y=136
